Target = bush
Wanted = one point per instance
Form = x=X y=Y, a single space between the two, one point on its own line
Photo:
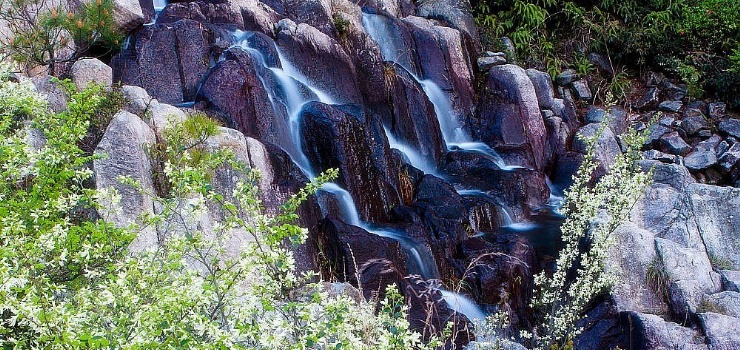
x=51 y=34
x=692 y=40
x=69 y=282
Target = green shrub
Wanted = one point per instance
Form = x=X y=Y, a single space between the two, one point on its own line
x=46 y=34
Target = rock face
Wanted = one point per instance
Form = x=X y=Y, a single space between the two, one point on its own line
x=168 y=60
x=332 y=138
x=127 y=15
x=123 y=148
x=509 y=118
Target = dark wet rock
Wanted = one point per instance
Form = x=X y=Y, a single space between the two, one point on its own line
x=721 y=330
x=566 y=165
x=673 y=143
x=602 y=61
x=647 y=331
x=509 y=117
x=347 y=247
x=518 y=188
x=670 y=106
x=332 y=138
x=234 y=90
x=648 y=101
x=321 y=59
x=396 y=8
x=601 y=329
x=717 y=110
x=440 y=208
x=147 y=10
x=204 y=12
x=693 y=125
x=542 y=84
x=557 y=135
x=444 y=58
x=414 y=122
x=731 y=127
x=429 y=314
x=454 y=13
x=168 y=60
x=583 y=91
x=566 y=77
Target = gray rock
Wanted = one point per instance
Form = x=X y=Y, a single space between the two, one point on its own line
x=485 y=63
x=715 y=211
x=124 y=153
x=127 y=15
x=648 y=101
x=673 y=143
x=704 y=134
x=652 y=332
x=137 y=99
x=583 y=91
x=498 y=344
x=673 y=91
x=717 y=110
x=659 y=156
x=54 y=95
x=726 y=303
x=543 y=87
x=91 y=70
x=601 y=61
x=607 y=148
x=509 y=48
x=629 y=259
x=692 y=125
x=731 y=280
x=692 y=112
x=566 y=77
x=729 y=159
x=670 y=106
x=594 y=115
x=690 y=273
x=700 y=159
x=731 y=127
x=656 y=132
x=162 y=116
x=721 y=331
x=674 y=175
x=667 y=121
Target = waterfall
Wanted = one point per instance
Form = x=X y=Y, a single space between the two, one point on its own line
x=463 y=305
x=449 y=122
x=291 y=93
x=159 y=5
x=414 y=158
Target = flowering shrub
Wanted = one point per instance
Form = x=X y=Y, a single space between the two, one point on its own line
x=69 y=282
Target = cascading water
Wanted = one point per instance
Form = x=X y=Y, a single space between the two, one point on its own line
x=449 y=122
x=159 y=5
x=415 y=159
x=452 y=132
x=293 y=91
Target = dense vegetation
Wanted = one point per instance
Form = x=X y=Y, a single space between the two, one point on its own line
x=696 y=41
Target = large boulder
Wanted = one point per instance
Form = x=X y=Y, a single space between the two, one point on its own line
x=221 y=13
x=443 y=58
x=721 y=330
x=454 y=13
x=321 y=59
x=91 y=70
x=413 y=122
x=123 y=151
x=333 y=138
x=315 y=13
x=714 y=210
x=127 y=15
x=235 y=89
x=509 y=118
x=168 y=60
x=652 y=332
